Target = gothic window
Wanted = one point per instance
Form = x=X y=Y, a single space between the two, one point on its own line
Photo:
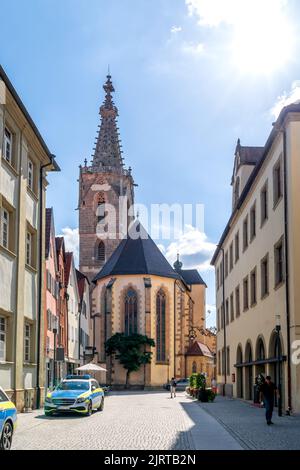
x=161 y=326
x=101 y=252
x=100 y=207
x=131 y=313
x=194 y=368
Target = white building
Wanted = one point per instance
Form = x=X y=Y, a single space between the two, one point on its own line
x=258 y=267
x=73 y=314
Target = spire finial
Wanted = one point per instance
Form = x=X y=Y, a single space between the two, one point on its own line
x=178 y=264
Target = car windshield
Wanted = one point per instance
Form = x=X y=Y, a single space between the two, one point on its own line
x=73 y=385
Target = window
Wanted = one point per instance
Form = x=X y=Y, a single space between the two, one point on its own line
x=223 y=361
x=194 y=368
x=264 y=205
x=279 y=268
x=8 y=145
x=218 y=319
x=231 y=257
x=219 y=362
x=277 y=183
x=253 y=223
x=30 y=175
x=49 y=320
x=221 y=273
x=226 y=264
x=29 y=248
x=231 y=308
x=101 y=252
x=227 y=312
x=218 y=278
x=161 y=327
x=253 y=288
x=228 y=361
x=27 y=339
x=101 y=207
x=2 y=339
x=131 y=316
x=245 y=234
x=4 y=228
x=265 y=276
x=237 y=302
x=237 y=247
x=246 y=293
x=222 y=315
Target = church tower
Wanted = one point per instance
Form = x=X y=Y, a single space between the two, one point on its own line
x=106 y=192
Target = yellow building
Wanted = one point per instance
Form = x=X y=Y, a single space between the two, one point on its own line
x=24 y=160
x=258 y=267
x=138 y=291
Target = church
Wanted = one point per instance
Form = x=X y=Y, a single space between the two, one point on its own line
x=135 y=289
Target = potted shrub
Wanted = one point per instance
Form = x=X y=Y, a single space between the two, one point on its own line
x=210 y=395
x=203 y=394
x=193 y=384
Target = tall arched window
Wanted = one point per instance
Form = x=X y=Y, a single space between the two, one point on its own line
x=101 y=252
x=131 y=313
x=194 y=368
x=100 y=207
x=161 y=326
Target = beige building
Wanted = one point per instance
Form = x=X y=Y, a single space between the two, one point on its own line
x=24 y=161
x=257 y=266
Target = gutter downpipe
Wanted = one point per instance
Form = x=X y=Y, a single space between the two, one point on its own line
x=224 y=321
x=40 y=283
x=287 y=287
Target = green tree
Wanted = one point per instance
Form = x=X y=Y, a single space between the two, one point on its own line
x=130 y=351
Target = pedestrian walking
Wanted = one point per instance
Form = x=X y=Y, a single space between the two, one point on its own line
x=173 y=385
x=268 y=391
x=214 y=386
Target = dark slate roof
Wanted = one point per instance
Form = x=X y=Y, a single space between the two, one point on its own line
x=137 y=256
x=49 y=215
x=191 y=277
x=250 y=155
x=81 y=278
x=292 y=108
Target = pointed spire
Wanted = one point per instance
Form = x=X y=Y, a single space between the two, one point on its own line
x=108 y=147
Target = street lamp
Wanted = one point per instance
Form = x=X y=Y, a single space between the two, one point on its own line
x=279 y=360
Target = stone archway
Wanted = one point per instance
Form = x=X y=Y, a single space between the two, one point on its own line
x=260 y=355
x=249 y=379
x=240 y=370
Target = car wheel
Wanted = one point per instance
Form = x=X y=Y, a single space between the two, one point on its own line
x=48 y=413
x=6 y=438
x=90 y=409
x=101 y=407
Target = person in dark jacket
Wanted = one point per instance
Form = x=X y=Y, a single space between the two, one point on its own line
x=268 y=391
x=173 y=386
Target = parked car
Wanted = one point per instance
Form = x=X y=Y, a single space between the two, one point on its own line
x=181 y=385
x=75 y=394
x=8 y=420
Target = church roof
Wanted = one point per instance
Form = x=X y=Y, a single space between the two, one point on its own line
x=191 y=277
x=138 y=255
x=199 y=349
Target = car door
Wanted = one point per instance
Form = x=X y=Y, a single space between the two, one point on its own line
x=3 y=400
x=95 y=394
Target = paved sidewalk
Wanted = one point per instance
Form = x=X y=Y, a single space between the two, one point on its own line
x=130 y=421
x=247 y=424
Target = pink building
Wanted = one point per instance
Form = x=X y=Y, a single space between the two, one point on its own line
x=51 y=330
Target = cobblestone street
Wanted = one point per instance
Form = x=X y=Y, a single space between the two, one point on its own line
x=247 y=424
x=133 y=421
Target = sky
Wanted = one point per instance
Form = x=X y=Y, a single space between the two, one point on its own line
x=191 y=77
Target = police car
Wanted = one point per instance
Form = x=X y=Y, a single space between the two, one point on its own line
x=8 y=419
x=75 y=394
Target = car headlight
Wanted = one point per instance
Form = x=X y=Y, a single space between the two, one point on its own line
x=48 y=400
x=81 y=400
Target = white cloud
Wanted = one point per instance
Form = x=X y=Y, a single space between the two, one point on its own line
x=287 y=98
x=192 y=48
x=213 y=13
x=71 y=237
x=176 y=29
x=194 y=248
